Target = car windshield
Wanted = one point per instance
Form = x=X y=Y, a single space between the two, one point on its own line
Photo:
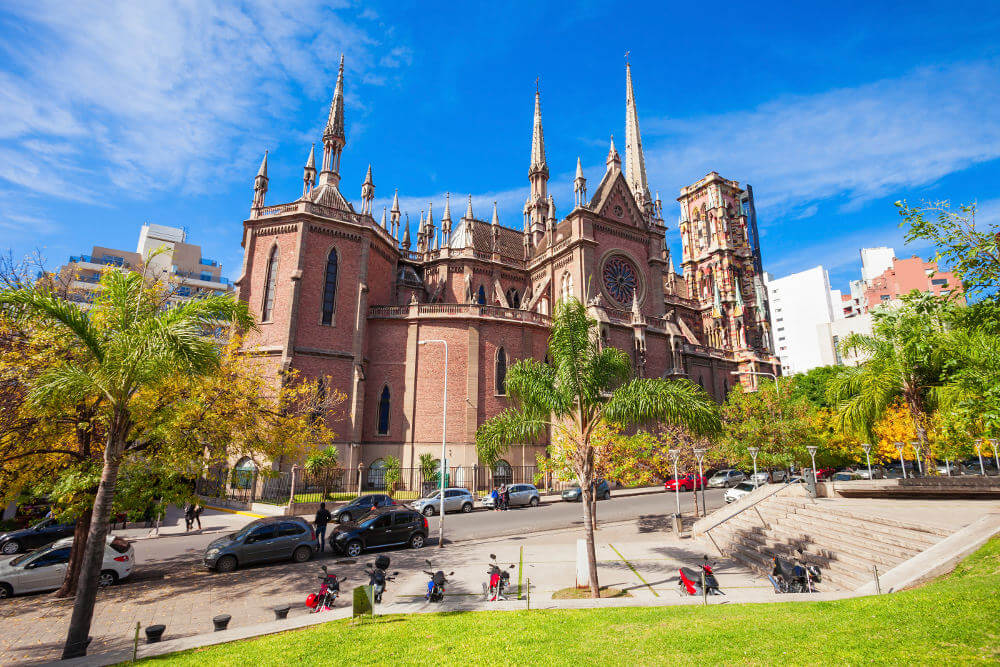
x=432 y=496
x=243 y=532
x=44 y=523
x=745 y=486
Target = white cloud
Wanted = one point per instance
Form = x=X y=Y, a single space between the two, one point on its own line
x=160 y=95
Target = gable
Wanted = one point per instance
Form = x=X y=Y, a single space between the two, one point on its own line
x=614 y=201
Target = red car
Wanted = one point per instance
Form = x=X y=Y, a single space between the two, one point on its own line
x=686 y=483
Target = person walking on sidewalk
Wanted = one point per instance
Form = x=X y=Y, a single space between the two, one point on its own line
x=198 y=509
x=322 y=518
x=188 y=516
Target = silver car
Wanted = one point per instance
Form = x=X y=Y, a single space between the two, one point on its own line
x=455 y=500
x=44 y=569
x=520 y=494
x=726 y=478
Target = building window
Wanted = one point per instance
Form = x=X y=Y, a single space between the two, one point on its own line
x=513 y=298
x=383 y=411
x=330 y=288
x=566 y=290
x=501 y=372
x=502 y=473
x=270 y=282
x=481 y=296
x=243 y=474
x=939 y=281
x=376 y=475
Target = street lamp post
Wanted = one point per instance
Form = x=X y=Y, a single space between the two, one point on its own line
x=902 y=464
x=812 y=455
x=868 y=448
x=700 y=455
x=916 y=448
x=675 y=454
x=979 y=450
x=753 y=454
x=444 y=436
x=996 y=457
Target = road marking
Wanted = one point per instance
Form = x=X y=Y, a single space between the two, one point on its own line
x=230 y=511
x=634 y=571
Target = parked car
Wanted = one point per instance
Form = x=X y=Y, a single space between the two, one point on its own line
x=779 y=475
x=687 y=483
x=878 y=472
x=845 y=476
x=520 y=494
x=761 y=478
x=261 y=541
x=738 y=491
x=726 y=478
x=42 y=533
x=45 y=568
x=385 y=528
x=455 y=500
x=574 y=493
x=361 y=506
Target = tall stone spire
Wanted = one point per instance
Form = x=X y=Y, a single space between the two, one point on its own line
x=446 y=220
x=421 y=233
x=580 y=185
x=469 y=223
x=405 y=243
x=468 y=209
x=614 y=161
x=333 y=136
x=495 y=229
x=367 y=193
x=430 y=227
x=384 y=219
x=394 y=214
x=635 y=163
x=309 y=172
x=538 y=173
x=260 y=184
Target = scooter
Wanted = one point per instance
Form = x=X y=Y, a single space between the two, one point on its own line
x=689 y=581
x=329 y=590
x=435 y=587
x=787 y=577
x=498 y=583
x=378 y=575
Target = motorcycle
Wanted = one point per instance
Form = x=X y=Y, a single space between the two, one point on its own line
x=787 y=577
x=435 y=587
x=689 y=581
x=499 y=581
x=329 y=590
x=377 y=576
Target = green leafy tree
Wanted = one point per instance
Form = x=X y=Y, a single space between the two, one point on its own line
x=583 y=386
x=775 y=418
x=430 y=468
x=812 y=385
x=129 y=344
x=393 y=474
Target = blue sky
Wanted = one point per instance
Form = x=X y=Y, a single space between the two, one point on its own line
x=160 y=111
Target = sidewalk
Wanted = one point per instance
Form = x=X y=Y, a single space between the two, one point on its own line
x=220 y=521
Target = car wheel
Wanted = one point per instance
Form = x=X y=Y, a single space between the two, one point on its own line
x=417 y=541
x=10 y=548
x=346 y=516
x=466 y=508
x=5 y=591
x=107 y=578
x=225 y=564
x=354 y=548
x=533 y=502
x=302 y=554
x=429 y=510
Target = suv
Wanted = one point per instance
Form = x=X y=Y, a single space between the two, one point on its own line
x=361 y=506
x=270 y=539
x=726 y=478
x=385 y=528
x=455 y=500
x=520 y=494
x=573 y=494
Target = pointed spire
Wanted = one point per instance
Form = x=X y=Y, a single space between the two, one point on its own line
x=333 y=134
x=406 y=234
x=635 y=162
x=468 y=209
x=367 y=192
x=262 y=172
x=368 y=176
x=311 y=162
x=579 y=168
x=260 y=184
x=537 y=137
x=446 y=219
x=335 y=120
x=614 y=161
x=384 y=216
x=394 y=214
x=395 y=202
x=495 y=221
x=580 y=185
x=309 y=172
x=552 y=212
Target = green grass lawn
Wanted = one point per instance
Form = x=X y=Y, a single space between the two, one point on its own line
x=955 y=620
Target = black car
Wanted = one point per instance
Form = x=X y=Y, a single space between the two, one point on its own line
x=361 y=506
x=384 y=528
x=42 y=533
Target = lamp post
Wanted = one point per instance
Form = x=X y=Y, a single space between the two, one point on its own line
x=868 y=448
x=994 y=442
x=812 y=455
x=753 y=454
x=902 y=464
x=700 y=455
x=444 y=436
x=916 y=448
x=979 y=450
x=674 y=455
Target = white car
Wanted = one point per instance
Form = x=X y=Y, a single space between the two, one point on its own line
x=738 y=491
x=44 y=569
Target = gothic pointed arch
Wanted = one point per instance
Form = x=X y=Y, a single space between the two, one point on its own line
x=330 y=287
x=500 y=372
x=270 y=285
x=384 y=405
x=481 y=296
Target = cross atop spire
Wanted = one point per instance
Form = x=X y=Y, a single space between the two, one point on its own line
x=335 y=121
x=635 y=163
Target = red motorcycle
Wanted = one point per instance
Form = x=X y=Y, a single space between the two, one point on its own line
x=690 y=581
x=329 y=590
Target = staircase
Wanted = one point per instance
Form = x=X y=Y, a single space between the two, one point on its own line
x=832 y=534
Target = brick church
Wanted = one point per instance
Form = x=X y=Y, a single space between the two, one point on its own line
x=390 y=318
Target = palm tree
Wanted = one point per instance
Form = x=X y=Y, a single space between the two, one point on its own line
x=583 y=385
x=905 y=358
x=130 y=345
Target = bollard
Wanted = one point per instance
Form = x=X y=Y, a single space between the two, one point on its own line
x=135 y=645
x=281 y=613
x=704 y=591
x=221 y=621
x=878 y=585
x=154 y=633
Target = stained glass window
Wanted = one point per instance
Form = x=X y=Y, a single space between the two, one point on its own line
x=620 y=280
x=270 y=283
x=330 y=288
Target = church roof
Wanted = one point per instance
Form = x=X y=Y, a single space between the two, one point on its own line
x=511 y=240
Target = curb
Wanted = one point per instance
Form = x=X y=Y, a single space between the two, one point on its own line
x=232 y=511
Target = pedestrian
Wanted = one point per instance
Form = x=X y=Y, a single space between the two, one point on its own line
x=495 y=495
x=323 y=517
x=198 y=509
x=188 y=516
x=506 y=497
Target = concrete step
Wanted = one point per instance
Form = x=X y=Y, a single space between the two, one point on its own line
x=761 y=562
x=820 y=517
x=855 y=517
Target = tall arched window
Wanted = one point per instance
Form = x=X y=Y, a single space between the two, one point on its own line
x=383 y=411
x=330 y=287
x=567 y=286
x=481 y=296
x=270 y=282
x=501 y=372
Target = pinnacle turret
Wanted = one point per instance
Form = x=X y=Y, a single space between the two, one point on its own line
x=333 y=135
x=309 y=172
x=384 y=218
x=367 y=193
x=614 y=161
x=537 y=138
x=635 y=162
x=468 y=209
x=405 y=243
x=260 y=184
x=394 y=214
x=580 y=185
x=446 y=219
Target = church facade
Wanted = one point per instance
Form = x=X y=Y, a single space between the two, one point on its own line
x=400 y=322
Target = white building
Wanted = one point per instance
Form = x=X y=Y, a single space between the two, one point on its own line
x=875 y=261
x=799 y=304
x=833 y=334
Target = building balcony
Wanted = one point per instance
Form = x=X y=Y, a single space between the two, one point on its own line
x=207 y=262
x=99 y=262
x=459 y=311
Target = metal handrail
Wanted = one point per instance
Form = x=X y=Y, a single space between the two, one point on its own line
x=753 y=504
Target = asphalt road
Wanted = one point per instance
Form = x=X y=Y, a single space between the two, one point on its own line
x=652 y=510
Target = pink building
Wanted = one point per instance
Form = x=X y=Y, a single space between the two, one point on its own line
x=343 y=296
x=906 y=275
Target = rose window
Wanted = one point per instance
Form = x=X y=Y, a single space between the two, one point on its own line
x=620 y=279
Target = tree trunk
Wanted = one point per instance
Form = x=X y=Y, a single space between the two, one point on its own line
x=917 y=414
x=93 y=555
x=588 y=526
x=694 y=493
x=68 y=588
x=593 y=509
